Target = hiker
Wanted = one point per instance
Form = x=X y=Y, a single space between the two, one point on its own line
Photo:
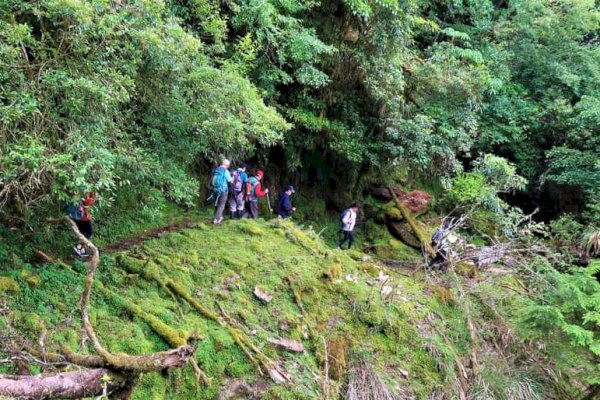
x=254 y=191
x=80 y=213
x=440 y=242
x=284 y=208
x=220 y=189
x=236 y=197
x=348 y=220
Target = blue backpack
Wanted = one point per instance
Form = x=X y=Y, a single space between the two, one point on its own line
x=217 y=182
x=75 y=210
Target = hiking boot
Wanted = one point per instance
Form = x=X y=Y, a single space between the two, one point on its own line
x=232 y=215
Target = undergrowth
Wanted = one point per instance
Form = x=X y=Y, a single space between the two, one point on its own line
x=320 y=296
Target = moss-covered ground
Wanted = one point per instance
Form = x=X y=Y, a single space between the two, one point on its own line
x=410 y=327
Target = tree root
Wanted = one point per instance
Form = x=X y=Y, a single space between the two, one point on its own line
x=119 y=368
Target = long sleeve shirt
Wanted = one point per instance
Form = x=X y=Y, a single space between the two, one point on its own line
x=349 y=220
x=88 y=201
x=259 y=191
x=285 y=205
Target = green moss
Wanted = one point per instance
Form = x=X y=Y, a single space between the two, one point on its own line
x=8 y=284
x=31 y=278
x=152 y=297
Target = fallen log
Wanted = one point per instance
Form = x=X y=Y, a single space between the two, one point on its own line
x=63 y=385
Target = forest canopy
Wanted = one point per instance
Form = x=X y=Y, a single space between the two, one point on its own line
x=349 y=89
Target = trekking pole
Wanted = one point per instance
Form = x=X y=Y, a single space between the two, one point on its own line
x=269 y=202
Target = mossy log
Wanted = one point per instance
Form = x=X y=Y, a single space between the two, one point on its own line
x=63 y=385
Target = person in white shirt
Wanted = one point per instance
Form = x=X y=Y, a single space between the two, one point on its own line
x=348 y=221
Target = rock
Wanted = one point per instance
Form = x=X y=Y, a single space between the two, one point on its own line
x=382 y=277
x=365 y=258
x=262 y=295
x=402 y=231
x=284 y=325
x=287 y=344
x=235 y=389
x=417 y=201
x=351 y=278
x=404 y=373
x=386 y=290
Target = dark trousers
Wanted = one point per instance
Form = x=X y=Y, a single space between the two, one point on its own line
x=347 y=236
x=85 y=227
x=439 y=261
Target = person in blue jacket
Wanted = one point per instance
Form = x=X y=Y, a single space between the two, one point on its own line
x=284 y=204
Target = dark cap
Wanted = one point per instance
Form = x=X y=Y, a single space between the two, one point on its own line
x=243 y=165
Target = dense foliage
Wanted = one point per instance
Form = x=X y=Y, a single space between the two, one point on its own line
x=352 y=90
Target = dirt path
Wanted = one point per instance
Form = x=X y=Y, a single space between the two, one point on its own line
x=142 y=236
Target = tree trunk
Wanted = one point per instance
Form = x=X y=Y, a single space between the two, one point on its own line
x=64 y=385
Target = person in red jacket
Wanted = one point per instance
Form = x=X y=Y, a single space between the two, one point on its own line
x=255 y=191
x=82 y=216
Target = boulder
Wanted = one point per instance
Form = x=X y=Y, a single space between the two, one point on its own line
x=416 y=201
x=403 y=232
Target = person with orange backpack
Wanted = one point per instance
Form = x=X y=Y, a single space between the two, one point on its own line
x=254 y=191
x=80 y=213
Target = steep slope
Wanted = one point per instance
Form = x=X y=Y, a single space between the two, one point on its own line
x=346 y=310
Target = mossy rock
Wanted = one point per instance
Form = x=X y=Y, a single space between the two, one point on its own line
x=8 y=284
x=466 y=269
x=31 y=278
x=334 y=272
x=391 y=212
x=403 y=232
